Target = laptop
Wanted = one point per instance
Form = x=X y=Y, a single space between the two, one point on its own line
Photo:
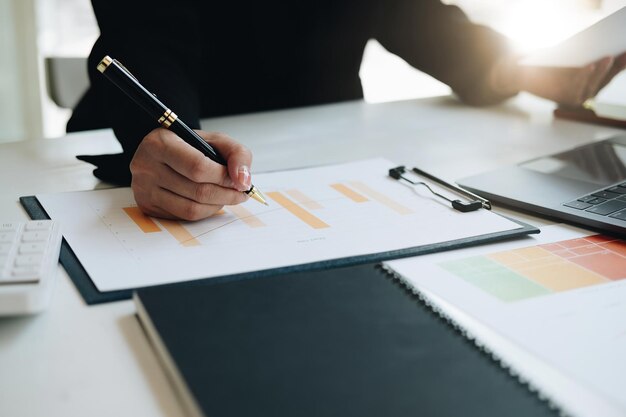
x=584 y=186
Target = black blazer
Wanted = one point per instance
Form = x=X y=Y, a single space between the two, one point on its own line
x=210 y=58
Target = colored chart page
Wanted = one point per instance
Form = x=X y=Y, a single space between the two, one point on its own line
x=315 y=214
x=551 y=306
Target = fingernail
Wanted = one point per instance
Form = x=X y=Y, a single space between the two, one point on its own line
x=243 y=175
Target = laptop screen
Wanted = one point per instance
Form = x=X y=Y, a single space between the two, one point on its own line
x=601 y=163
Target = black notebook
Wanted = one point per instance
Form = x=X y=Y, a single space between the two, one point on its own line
x=341 y=342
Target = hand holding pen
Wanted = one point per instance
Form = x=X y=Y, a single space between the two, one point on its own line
x=178 y=172
x=173 y=180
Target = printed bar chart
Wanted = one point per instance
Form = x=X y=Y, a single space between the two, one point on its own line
x=179 y=232
x=304 y=200
x=381 y=198
x=292 y=201
x=544 y=269
x=350 y=193
x=145 y=223
x=246 y=216
x=298 y=211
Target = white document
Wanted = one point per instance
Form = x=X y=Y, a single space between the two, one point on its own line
x=606 y=37
x=551 y=306
x=613 y=94
x=315 y=214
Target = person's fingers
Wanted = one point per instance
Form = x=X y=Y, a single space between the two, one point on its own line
x=144 y=190
x=181 y=207
x=620 y=61
x=573 y=87
x=562 y=85
x=187 y=161
x=203 y=193
x=601 y=69
x=156 y=212
x=238 y=157
x=619 y=64
x=171 y=179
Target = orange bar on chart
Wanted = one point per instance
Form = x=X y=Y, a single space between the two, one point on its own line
x=381 y=198
x=179 y=232
x=303 y=199
x=602 y=255
x=297 y=211
x=350 y=193
x=246 y=216
x=145 y=223
x=608 y=264
x=550 y=271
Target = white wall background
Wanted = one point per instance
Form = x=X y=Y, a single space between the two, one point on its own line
x=20 y=104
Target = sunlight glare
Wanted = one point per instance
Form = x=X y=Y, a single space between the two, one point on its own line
x=534 y=24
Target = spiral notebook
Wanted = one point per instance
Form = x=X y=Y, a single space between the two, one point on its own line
x=349 y=341
x=550 y=307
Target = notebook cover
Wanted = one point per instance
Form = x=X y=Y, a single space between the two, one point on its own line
x=343 y=342
x=92 y=295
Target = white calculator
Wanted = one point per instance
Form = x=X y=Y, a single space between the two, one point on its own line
x=29 y=254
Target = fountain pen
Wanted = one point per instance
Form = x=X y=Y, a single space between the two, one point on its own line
x=125 y=81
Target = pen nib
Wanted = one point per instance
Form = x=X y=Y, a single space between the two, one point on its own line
x=253 y=192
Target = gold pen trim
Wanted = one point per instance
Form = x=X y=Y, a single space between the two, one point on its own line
x=171 y=118
x=104 y=64
x=167 y=119
x=165 y=116
x=254 y=193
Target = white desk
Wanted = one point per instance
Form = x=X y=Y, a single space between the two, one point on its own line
x=75 y=360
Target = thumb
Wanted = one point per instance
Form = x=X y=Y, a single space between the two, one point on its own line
x=237 y=156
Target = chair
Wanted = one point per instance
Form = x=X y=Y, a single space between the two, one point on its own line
x=66 y=79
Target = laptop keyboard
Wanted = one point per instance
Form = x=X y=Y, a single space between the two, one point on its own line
x=610 y=202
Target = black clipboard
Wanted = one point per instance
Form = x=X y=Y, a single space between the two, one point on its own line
x=92 y=295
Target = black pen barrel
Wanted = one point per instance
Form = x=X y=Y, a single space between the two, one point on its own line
x=125 y=81
x=191 y=137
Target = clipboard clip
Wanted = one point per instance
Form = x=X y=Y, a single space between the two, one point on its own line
x=473 y=203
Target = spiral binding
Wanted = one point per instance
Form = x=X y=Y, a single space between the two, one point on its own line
x=435 y=309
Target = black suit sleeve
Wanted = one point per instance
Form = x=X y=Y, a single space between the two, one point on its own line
x=441 y=41
x=158 y=42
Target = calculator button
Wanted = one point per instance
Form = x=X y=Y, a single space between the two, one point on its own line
x=32 y=247
x=8 y=227
x=21 y=271
x=7 y=236
x=5 y=248
x=34 y=236
x=39 y=225
x=28 y=260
